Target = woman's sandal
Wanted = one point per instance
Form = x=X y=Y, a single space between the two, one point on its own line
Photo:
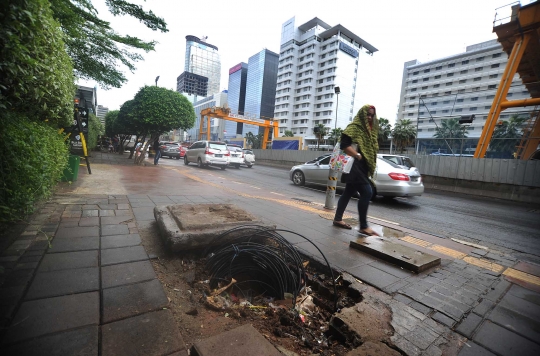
x=342 y=225
x=369 y=232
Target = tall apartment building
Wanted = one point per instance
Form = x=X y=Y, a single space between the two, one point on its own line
x=314 y=58
x=202 y=58
x=461 y=84
x=193 y=84
x=101 y=111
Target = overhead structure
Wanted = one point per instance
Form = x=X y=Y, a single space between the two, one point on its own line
x=519 y=35
x=225 y=114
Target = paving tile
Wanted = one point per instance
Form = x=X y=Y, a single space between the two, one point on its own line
x=115 y=220
x=116 y=241
x=11 y=295
x=123 y=206
x=74 y=244
x=395 y=287
x=149 y=334
x=109 y=230
x=484 y=307
x=451 y=311
x=68 y=260
x=25 y=259
x=71 y=232
x=373 y=276
x=420 y=307
x=392 y=269
x=126 y=273
x=504 y=342
x=126 y=213
x=89 y=221
x=38 y=246
x=69 y=281
x=441 y=318
x=145 y=213
x=123 y=255
x=498 y=290
x=472 y=349
x=83 y=341
x=90 y=213
x=527 y=325
x=402 y=298
x=107 y=206
x=468 y=325
x=421 y=336
x=106 y=213
x=18 y=278
x=34 y=317
x=133 y=299
x=406 y=346
x=26 y=265
x=413 y=293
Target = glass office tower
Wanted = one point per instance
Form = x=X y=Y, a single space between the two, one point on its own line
x=261 y=84
x=203 y=59
x=236 y=97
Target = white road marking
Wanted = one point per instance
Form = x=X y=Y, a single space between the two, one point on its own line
x=277 y=194
x=254 y=187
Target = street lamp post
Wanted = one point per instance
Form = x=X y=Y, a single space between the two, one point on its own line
x=157 y=78
x=332 y=174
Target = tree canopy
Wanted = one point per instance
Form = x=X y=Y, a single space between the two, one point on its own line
x=404 y=134
x=110 y=119
x=335 y=135
x=320 y=131
x=288 y=133
x=507 y=135
x=96 y=49
x=385 y=129
x=450 y=128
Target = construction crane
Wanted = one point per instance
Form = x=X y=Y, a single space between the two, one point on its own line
x=225 y=114
x=519 y=36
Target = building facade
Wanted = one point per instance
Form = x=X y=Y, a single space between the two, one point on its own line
x=101 y=111
x=193 y=84
x=217 y=125
x=261 y=84
x=202 y=58
x=462 y=84
x=315 y=58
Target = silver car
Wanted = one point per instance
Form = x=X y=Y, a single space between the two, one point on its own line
x=391 y=179
x=208 y=153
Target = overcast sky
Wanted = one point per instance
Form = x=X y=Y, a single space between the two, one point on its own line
x=401 y=30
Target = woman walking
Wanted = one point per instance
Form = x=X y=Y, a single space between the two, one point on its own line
x=359 y=140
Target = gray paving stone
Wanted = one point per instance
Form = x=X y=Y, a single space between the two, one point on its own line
x=527 y=325
x=18 y=278
x=34 y=317
x=504 y=342
x=144 y=213
x=25 y=259
x=421 y=336
x=413 y=293
x=11 y=295
x=38 y=246
x=468 y=325
x=68 y=260
x=26 y=265
x=498 y=290
x=107 y=206
x=395 y=287
x=441 y=318
x=391 y=269
x=90 y=213
x=484 y=307
x=472 y=349
x=89 y=221
x=126 y=273
x=133 y=299
x=421 y=308
x=119 y=229
x=123 y=255
x=74 y=244
x=451 y=311
x=406 y=346
x=115 y=220
x=403 y=298
x=83 y=341
x=373 y=276
x=70 y=232
x=149 y=334
x=69 y=281
x=116 y=241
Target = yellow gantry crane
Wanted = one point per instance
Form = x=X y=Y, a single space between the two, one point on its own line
x=520 y=37
x=225 y=113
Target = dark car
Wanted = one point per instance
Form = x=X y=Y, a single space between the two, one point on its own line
x=173 y=150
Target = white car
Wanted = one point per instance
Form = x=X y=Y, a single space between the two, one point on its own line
x=208 y=153
x=249 y=158
x=237 y=155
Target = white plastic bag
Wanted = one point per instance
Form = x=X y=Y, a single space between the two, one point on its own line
x=340 y=161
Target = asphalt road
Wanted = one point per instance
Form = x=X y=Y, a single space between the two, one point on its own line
x=506 y=226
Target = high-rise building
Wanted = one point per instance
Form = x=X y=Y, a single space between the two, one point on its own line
x=237 y=88
x=202 y=58
x=101 y=111
x=461 y=84
x=315 y=58
x=217 y=125
x=193 y=84
x=261 y=84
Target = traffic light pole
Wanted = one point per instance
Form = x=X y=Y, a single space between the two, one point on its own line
x=83 y=141
x=330 y=202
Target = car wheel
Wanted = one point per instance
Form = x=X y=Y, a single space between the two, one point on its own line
x=250 y=165
x=237 y=166
x=223 y=167
x=298 y=178
x=186 y=162
x=199 y=163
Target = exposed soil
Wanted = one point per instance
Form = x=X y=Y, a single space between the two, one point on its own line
x=199 y=317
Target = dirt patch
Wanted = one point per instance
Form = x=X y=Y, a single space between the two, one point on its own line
x=205 y=216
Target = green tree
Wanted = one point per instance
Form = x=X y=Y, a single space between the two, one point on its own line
x=157 y=110
x=320 y=131
x=36 y=74
x=255 y=141
x=507 y=135
x=385 y=129
x=335 y=135
x=95 y=129
x=404 y=134
x=288 y=133
x=110 y=118
x=96 y=49
x=450 y=128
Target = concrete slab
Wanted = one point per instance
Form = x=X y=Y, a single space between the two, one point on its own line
x=82 y=341
x=110 y=230
x=130 y=300
x=401 y=255
x=35 y=318
x=149 y=334
x=192 y=226
x=468 y=325
x=126 y=273
x=69 y=232
x=69 y=281
x=472 y=349
x=528 y=267
x=504 y=342
x=74 y=244
x=116 y=241
x=244 y=340
x=373 y=276
x=68 y=260
x=123 y=255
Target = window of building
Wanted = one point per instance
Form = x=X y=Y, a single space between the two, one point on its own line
x=436 y=85
x=463 y=71
x=487 y=107
x=426 y=70
x=470 y=128
x=431 y=120
x=477 y=79
x=459 y=100
x=438 y=68
x=411 y=106
x=463 y=81
x=474 y=99
x=431 y=129
x=415 y=81
x=459 y=110
x=479 y=59
x=434 y=103
x=496 y=55
x=419 y=130
x=437 y=77
x=424 y=88
x=465 y=61
x=449 y=83
x=434 y=112
x=490 y=96
x=421 y=113
x=413 y=89
x=446 y=102
x=476 y=89
x=493 y=86
x=425 y=79
x=451 y=65
x=472 y=108
x=496 y=65
x=461 y=91
x=478 y=69
x=509 y=95
x=412 y=97
x=447 y=92
x=450 y=74
x=415 y=73
x=445 y=111
x=410 y=114
x=423 y=96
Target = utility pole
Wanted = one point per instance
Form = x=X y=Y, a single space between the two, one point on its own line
x=332 y=174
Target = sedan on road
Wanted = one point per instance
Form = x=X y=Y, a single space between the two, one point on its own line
x=391 y=180
x=173 y=151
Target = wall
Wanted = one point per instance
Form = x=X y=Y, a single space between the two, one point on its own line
x=500 y=178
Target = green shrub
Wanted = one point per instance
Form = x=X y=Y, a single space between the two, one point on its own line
x=32 y=159
x=95 y=128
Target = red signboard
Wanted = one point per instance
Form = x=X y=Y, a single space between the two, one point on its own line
x=236 y=68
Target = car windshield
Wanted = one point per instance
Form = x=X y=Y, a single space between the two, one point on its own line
x=317 y=159
x=234 y=149
x=217 y=146
x=248 y=152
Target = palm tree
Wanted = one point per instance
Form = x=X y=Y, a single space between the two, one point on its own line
x=288 y=133
x=385 y=129
x=335 y=135
x=451 y=129
x=506 y=136
x=255 y=141
x=320 y=131
x=404 y=134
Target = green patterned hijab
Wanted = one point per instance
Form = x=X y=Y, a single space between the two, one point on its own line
x=365 y=137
